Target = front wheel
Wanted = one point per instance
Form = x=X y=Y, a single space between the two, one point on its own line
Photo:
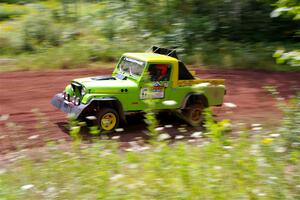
x=194 y=114
x=107 y=119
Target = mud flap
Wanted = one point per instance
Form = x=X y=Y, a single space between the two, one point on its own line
x=67 y=107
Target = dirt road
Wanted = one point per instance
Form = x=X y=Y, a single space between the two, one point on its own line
x=32 y=121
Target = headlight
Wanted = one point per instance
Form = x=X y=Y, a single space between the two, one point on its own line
x=76 y=101
x=83 y=91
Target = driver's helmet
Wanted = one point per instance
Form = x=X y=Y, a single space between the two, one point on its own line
x=163 y=68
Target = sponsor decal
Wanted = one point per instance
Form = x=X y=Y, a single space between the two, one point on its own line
x=156 y=92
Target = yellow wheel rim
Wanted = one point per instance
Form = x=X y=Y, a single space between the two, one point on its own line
x=108 y=121
x=196 y=115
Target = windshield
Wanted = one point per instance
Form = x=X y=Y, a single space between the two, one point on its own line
x=131 y=66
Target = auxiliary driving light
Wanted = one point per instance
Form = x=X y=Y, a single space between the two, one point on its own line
x=66 y=96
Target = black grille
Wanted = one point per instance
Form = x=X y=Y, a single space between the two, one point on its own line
x=76 y=88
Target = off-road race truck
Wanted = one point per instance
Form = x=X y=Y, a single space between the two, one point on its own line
x=157 y=75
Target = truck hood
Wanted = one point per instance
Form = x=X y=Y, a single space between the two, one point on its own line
x=105 y=82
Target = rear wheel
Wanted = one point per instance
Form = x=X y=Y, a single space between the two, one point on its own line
x=107 y=119
x=194 y=114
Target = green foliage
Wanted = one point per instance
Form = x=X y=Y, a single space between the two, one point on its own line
x=220 y=33
x=217 y=131
x=289 y=8
x=248 y=169
x=66 y=56
x=8 y=11
x=290 y=128
x=151 y=121
x=292 y=58
x=17 y=1
x=40 y=30
x=74 y=126
x=239 y=55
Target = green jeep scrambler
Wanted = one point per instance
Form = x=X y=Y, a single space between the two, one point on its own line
x=158 y=75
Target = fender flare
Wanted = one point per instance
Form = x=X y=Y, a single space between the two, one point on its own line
x=189 y=95
x=117 y=105
x=76 y=111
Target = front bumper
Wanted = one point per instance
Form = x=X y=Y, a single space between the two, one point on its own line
x=67 y=107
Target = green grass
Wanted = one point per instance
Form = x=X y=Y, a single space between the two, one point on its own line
x=249 y=169
x=257 y=164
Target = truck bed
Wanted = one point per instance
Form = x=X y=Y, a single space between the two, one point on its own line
x=198 y=81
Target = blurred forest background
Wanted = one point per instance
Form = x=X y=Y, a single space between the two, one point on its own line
x=227 y=160
x=242 y=34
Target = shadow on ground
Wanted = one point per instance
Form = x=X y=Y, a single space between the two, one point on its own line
x=136 y=128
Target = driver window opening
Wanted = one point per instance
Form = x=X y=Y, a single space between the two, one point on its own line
x=159 y=72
